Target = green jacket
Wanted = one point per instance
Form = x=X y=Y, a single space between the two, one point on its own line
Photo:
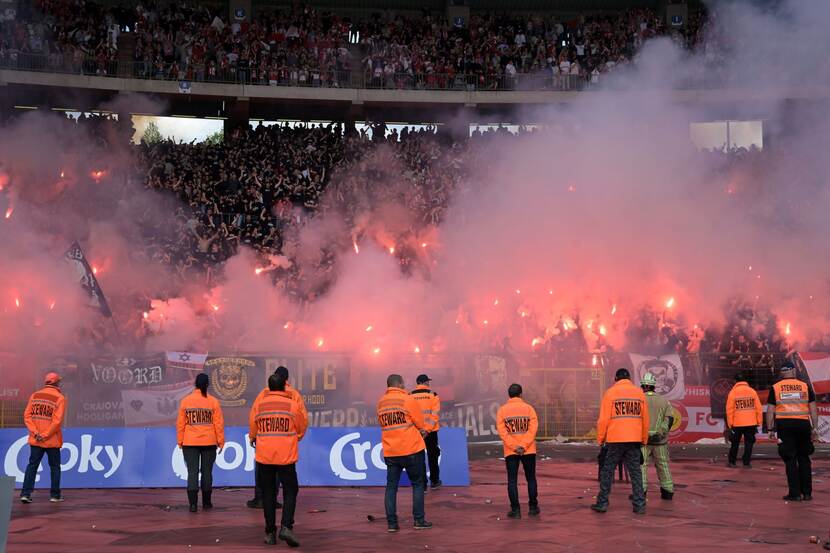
x=659 y=417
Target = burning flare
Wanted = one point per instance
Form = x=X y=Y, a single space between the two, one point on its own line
x=670 y=303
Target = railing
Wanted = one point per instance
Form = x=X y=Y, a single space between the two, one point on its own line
x=293 y=77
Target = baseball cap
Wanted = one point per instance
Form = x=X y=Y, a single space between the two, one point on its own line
x=51 y=378
x=422 y=379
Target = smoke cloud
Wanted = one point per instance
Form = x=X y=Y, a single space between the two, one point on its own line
x=606 y=212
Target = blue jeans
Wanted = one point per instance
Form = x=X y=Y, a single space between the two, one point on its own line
x=415 y=468
x=36 y=455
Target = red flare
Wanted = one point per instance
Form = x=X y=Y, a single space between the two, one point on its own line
x=51 y=305
x=670 y=303
x=356 y=248
x=320 y=342
x=213 y=305
x=17 y=302
x=376 y=351
x=535 y=342
x=392 y=250
x=258 y=270
x=9 y=212
x=416 y=349
x=369 y=328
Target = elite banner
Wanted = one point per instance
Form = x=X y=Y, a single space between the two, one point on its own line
x=149 y=457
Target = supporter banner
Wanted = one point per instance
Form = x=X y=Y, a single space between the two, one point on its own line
x=823 y=427
x=818 y=368
x=94 y=386
x=323 y=379
x=149 y=457
x=668 y=370
x=153 y=406
x=693 y=418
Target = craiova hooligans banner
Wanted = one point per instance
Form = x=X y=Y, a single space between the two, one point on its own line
x=668 y=370
x=149 y=457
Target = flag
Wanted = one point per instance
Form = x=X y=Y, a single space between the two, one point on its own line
x=668 y=370
x=153 y=406
x=186 y=360
x=818 y=369
x=75 y=257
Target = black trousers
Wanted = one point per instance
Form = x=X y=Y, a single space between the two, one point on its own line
x=199 y=458
x=795 y=449
x=433 y=452
x=748 y=433
x=528 y=463
x=631 y=455
x=271 y=476
x=258 y=486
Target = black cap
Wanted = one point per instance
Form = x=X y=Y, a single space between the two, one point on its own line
x=422 y=379
x=787 y=366
x=621 y=374
x=282 y=371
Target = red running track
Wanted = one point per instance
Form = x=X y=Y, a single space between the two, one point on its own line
x=715 y=508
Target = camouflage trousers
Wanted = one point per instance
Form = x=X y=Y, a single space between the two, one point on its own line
x=660 y=454
x=630 y=455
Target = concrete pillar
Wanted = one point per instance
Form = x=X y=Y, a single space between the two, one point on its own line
x=238 y=113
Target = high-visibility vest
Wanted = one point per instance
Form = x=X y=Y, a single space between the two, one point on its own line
x=44 y=416
x=743 y=407
x=430 y=406
x=623 y=415
x=792 y=399
x=278 y=423
x=401 y=421
x=200 y=421
x=517 y=424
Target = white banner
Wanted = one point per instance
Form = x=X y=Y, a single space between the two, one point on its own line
x=153 y=406
x=666 y=368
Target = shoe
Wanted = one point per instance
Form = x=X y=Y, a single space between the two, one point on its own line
x=731 y=464
x=270 y=538
x=206 y=502
x=393 y=528
x=436 y=485
x=806 y=497
x=514 y=513
x=254 y=504
x=193 y=500
x=56 y=500
x=599 y=508
x=747 y=465
x=640 y=510
x=422 y=525
x=287 y=535
x=25 y=499
x=667 y=495
x=534 y=511
x=792 y=497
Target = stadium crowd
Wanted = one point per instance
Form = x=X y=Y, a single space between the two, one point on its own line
x=303 y=46
x=231 y=194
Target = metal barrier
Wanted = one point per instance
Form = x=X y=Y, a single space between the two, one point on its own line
x=294 y=77
x=11 y=413
x=566 y=400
